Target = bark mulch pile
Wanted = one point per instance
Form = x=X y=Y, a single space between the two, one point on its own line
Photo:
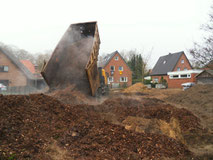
x=30 y=124
x=151 y=108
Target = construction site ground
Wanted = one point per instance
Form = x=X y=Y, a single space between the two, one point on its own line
x=132 y=123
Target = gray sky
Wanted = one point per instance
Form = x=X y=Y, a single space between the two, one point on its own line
x=164 y=25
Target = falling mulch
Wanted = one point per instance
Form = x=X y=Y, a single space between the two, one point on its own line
x=30 y=124
x=70 y=95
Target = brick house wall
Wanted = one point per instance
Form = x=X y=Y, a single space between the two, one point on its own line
x=182 y=66
x=176 y=83
x=14 y=75
x=116 y=76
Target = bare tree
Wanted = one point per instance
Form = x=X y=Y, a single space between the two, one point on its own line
x=21 y=54
x=41 y=57
x=203 y=53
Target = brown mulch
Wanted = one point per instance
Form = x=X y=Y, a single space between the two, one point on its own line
x=197 y=99
x=70 y=95
x=29 y=124
x=151 y=108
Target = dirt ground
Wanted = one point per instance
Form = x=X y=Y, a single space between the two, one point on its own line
x=198 y=100
x=146 y=124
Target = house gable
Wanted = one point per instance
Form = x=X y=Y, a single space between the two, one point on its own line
x=122 y=72
x=205 y=77
x=205 y=73
x=17 y=63
x=14 y=76
x=182 y=64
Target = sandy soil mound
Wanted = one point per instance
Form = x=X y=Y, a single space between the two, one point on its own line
x=138 y=87
x=40 y=127
x=143 y=125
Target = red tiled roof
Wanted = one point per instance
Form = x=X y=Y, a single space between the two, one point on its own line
x=28 y=65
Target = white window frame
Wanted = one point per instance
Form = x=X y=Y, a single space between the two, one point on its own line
x=6 y=68
x=116 y=58
x=110 y=79
x=188 y=75
x=182 y=61
x=121 y=69
x=179 y=76
x=125 y=79
x=111 y=68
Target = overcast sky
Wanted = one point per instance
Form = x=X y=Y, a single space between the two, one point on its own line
x=166 y=26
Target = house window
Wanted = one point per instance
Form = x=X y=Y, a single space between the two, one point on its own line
x=112 y=68
x=178 y=69
x=164 y=62
x=182 y=61
x=116 y=58
x=185 y=69
x=180 y=76
x=4 y=68
x=183 y=76
x=155 y=80
x=120 y=68
x=123 y=79
x=174 y=76
x=110 y=79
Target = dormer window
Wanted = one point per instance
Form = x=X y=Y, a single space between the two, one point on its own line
x=164 y=62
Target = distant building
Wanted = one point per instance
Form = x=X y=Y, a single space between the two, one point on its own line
x=119 y=72
x=13 y=73
x=175 y=69
x=205 y=77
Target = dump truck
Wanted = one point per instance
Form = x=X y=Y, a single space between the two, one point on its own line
x=74 y=61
